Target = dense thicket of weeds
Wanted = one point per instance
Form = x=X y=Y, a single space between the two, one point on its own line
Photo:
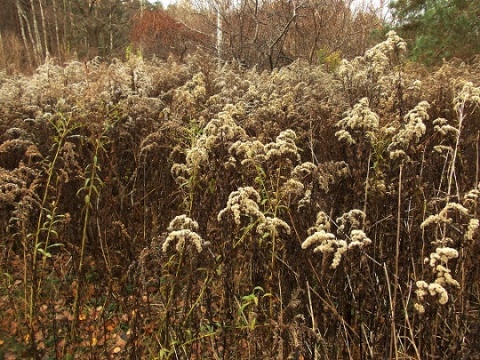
x=205 y=211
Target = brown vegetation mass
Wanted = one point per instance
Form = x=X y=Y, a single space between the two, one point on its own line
x=205 y=211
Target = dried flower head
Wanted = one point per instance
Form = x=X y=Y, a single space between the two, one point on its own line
x=194 y=91
x=195 y=157
x=419 y=308
x=444 y=277
x=283 y=148
x=439 y=291
x=182 y=222
x=182 y=230
x=472 y=229
x=248 y=152
x=468 y=94
x=354 y=219
x=291 y=191
x=412 y=131
x=394 y=44
x=183 y=237
x=438 y=261
x=433 y=289
x=306 y=200
x=442 y=127
x=421 y=290
x=273 y=226
x=360 y=122
x=304 y=170
x=180 y=172
x=243 y=202
x=444 y=217
x=358 y=239
x=471 y=197
x=322 y=222
x=321 y=239
x=326 y=242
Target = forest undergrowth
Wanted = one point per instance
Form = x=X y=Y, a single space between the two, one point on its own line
x=206 y=211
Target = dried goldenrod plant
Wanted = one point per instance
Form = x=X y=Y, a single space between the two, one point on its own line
x=191 y=210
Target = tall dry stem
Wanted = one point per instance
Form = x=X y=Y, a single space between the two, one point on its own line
x=393 y=339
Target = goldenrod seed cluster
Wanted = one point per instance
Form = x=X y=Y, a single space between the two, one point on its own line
x=326 y=242
x=182 y=230
x=243 y=202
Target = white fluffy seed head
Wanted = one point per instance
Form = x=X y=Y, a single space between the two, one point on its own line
x=182 y=230
x=183 y=238
x=243 y=202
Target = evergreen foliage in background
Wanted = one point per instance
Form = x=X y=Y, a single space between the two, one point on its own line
x=438 y=29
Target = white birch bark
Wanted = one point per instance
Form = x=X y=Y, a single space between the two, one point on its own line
x=57 y=30
x=38 y=41
x=44 y=28
x=23 y=20
x=22 y=31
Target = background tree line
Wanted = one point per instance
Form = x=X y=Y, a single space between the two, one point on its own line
x=262 y=33
x=31 y=30
x=266 y=33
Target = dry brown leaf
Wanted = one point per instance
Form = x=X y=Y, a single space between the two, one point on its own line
x=9 y=356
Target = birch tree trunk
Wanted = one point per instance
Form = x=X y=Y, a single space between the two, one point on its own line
x=65 y=20
x=57 y=31
x=3 y=57
x=44 y=28
x=38 y=41
x=23 y=21
x=219 y=33
x=110 y=29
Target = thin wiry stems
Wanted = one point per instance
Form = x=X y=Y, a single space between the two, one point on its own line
x=396 y=274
